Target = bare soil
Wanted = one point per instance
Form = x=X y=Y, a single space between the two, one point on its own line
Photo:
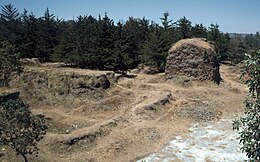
x=131 y=119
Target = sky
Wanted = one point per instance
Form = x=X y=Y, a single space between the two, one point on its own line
x=239 y=16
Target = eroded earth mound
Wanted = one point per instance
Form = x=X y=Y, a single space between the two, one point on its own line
x=193 y=58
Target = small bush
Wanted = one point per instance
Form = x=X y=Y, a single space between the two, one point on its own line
x=20 y=129
x=248 y=125
x=9 y=63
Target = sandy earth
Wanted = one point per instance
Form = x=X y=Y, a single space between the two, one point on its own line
x=135 y=118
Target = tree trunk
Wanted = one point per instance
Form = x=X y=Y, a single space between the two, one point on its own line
x=25 y=158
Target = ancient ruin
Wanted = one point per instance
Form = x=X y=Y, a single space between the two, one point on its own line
x=193 y=58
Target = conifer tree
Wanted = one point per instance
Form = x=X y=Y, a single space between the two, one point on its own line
x=28 y=44
x=153 y=54
x=221 y=41
x=47 y=36
x=165 y=22
x=184 y=28
x=199 y=31
x=10 y=25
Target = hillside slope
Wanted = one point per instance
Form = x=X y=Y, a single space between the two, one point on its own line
x=130 y=119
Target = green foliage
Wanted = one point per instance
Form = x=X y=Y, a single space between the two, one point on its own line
x=221 y=41
x=9 y=63
x=165 y=22
x=47 y=36
x=122 y=60
x=106 y=44
x=19 y=128
x=184 y=28
x=10 y=24
x=100 y=43
x=257 y=40
x=29 y=42
x=155 y=49
x=248 y=125
x=136 y=33
x=237 y=49
x=152 y=50
x=241 y=44
x=252 y=70
x=9 y=13
x=199 y=31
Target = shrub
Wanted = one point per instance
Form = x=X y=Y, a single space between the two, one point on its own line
x=249 y=124
x=9 y=63
x=19 y=128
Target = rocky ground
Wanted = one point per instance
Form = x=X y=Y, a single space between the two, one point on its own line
x=211 y=141
x=126 y=120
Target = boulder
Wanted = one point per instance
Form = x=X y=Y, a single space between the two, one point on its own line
x=193 y=58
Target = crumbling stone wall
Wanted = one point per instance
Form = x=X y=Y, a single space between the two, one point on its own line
x=194 y=58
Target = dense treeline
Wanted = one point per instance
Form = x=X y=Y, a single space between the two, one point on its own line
x=100 y=43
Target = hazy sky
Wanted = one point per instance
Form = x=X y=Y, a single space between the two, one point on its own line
x=241 y=16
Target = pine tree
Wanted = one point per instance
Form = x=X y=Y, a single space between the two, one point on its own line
x=28 y=44
x=165 y=22
x=221 y=41
x=184 y=28
x=136 y=34
x=66 y=50
x=237 y=49
x=199 y=31
x=10 y=25
x=156 y=47
x=257 y=41
x=47 y=36
x=106 y=43
x=152 y=52
x=249 y=41
x=122 y=61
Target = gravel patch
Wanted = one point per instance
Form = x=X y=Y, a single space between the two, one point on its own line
x=212 y=141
